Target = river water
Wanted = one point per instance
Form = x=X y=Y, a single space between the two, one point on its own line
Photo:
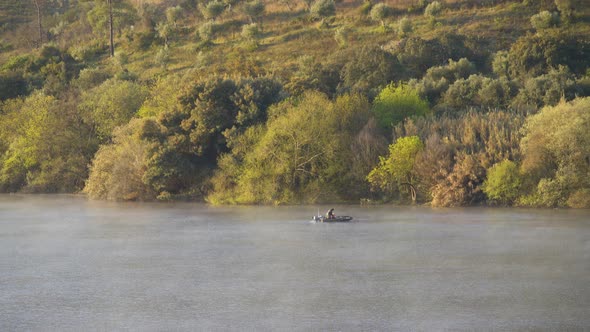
x=69 y=264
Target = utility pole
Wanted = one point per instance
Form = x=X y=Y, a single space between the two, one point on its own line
x=40 y=42
x=111 y=28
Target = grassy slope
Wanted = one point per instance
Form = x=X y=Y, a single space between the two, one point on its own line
x=290 y=34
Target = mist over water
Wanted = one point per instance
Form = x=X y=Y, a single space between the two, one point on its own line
x=70 y=264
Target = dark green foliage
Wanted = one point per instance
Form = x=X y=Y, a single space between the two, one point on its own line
x=12 y=85
x=208 y=108
x=437 y=79
x=369 y=70
x=566 y=9
x=124 y=14
x=312 y=75
x=533 y=55
x=416 y=55
x=547 y=89
x=479 y=91
x=463 y=92
x=207 y=111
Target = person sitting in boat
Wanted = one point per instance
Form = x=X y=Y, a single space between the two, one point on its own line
x=330 y=214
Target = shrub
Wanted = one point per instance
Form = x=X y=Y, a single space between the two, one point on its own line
x=213 y=9
x=207 y=31
x=254 y=9
x=546 y=90
x=416 y=55
x=462 y=186
x=84 y=53
x=404 y=26
x=323 y=8
x=162 y=58
x=497 y=93
x=565 y=8
x=173 y=14
x=545 y=20
x=463 y=92
x=251 y=31
x=437 y=79
x=91 y=77
x=433 y=9
x=143 y=40
x=341 y=36
x=17 y=62
x=380 y=12
x=500 y=64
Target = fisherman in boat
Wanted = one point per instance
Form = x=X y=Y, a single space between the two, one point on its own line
x=330 y=214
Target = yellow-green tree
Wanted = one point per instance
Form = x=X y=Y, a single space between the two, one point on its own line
x=556 y=150
x=43 y=148
x=396 y=103
x=396 y=172
x=112 y=104
x=503 y=182
x=302 y=154
x=118 y=169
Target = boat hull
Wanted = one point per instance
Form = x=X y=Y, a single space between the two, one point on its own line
x=335 y=219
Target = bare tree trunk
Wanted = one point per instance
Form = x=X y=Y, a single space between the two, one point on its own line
x=412 y=190
x=39 y=25
x=111 y=31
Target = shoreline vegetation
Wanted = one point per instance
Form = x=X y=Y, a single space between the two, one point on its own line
x=440 y=103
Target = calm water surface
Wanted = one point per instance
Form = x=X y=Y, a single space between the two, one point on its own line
x=69 y=264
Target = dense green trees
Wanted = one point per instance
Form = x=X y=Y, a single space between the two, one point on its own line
x=296 y=157
x=44 y=146
x=201 y=103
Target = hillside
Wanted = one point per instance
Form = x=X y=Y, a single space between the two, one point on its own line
x=282 y=102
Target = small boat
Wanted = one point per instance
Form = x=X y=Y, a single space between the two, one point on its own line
x=335 y=219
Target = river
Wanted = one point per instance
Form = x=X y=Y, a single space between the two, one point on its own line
x=69 y=264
